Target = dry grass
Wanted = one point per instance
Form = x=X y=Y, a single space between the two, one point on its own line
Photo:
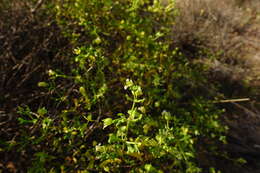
x=228 y=27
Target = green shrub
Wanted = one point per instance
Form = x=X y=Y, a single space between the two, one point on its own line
x=154 y=125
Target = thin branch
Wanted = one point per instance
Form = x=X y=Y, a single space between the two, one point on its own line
x=37 y=6
x=232 y=100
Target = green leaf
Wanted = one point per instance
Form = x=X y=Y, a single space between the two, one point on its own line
x=107 y=122
x=42 y=84
x=42 y=111
x=23 y=121
x=149 y=167
x=166 y=115
x=113 y=138
x=82 y=91
x=241 y=161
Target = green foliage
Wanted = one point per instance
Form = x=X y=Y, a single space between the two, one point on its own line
x=171 y=142
x=154 y=125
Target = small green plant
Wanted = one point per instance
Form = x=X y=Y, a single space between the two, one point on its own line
x=131 y=144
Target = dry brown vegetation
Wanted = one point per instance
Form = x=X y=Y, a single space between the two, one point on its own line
x=31 y=43
x=229 y=28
